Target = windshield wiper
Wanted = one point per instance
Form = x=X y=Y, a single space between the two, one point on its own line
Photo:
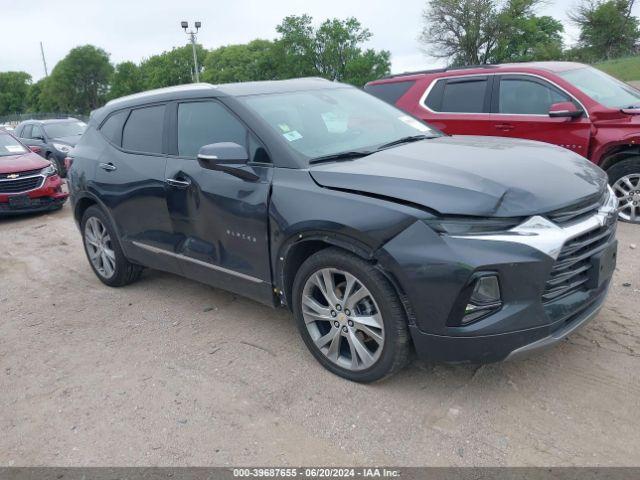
x=351 y=155
x=400 y=141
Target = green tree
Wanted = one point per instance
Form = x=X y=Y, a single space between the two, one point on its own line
x=257 y=60
x=174 y=67
x=14 y=88
x=126 y=79
x=471 y=32
x=607 y=29
x=79 y=82
x=333 y=50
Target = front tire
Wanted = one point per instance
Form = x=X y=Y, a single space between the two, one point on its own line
x=624 y=178
x=104 y=252
x=350 y=316
x=61 y=171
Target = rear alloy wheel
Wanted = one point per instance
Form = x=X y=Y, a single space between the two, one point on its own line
x=350 y=316
x=103 y=250
x=99 y=248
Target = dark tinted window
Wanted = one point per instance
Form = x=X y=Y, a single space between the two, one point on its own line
x=458 y=95
x=389 y=92
x=203 y=123
x=112 y=128
x=522 y=96
x=36 y=132
x=143 y=130
x=25 y=132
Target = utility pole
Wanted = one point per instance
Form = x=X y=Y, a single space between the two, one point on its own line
x=44 y=62
x=192 y=36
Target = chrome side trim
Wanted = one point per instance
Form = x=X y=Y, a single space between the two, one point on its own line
x=184 y=258
x=423 y=99
x=547 y=237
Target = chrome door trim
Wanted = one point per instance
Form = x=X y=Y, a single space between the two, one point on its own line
x=185 y=258
x=423 y=98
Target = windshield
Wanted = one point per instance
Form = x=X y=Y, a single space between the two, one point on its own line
x=321 y=123
x=65 y=129
x=603 y=88
x=10 y=146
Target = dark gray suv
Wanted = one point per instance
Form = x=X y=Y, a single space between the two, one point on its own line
x=54 y=138
x=381 y=234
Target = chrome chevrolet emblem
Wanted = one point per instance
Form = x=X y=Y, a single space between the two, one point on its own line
x=13 y=175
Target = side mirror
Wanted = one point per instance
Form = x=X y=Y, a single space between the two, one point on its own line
x=226 y=157
x=564 y=109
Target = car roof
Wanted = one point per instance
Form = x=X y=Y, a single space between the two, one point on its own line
x=474 y=69
x=199 y=90
x=51 y=120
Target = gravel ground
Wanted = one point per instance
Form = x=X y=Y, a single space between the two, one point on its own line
x=170 y=372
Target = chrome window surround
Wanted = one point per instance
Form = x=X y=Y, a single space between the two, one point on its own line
x=423 y=99
x=43 y=177
x=547 y=237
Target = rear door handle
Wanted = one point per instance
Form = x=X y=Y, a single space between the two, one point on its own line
x=505 y=127
x=109 y=167
x=172 y=182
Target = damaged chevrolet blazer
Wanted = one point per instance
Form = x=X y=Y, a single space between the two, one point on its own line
x=382 y=235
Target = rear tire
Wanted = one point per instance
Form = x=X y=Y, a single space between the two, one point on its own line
x=624 y=178
x=104 y=252
x=364 y=336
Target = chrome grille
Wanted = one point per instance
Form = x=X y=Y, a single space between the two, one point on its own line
x=20 y=185
x=578 y=211
x=21 y=174
x=571 y=269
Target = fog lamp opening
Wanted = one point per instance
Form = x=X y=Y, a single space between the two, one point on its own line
x=485 y=299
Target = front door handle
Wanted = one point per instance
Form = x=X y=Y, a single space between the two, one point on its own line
x=109 y=167
x=172 y=182
x=505 y=127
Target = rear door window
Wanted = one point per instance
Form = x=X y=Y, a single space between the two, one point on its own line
x=390 y=92
x=459 y=95
x=143 y=131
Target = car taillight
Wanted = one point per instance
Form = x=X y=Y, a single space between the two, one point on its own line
x=68 y=161
x=35 y=149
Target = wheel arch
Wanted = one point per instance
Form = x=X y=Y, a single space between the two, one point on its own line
x=300 y=247
x=617 y=154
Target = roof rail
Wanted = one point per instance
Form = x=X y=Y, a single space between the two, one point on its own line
x=438 y=70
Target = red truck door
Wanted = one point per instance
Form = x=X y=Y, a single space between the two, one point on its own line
x=520 y=108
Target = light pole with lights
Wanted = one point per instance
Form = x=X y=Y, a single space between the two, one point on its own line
x=192 y=34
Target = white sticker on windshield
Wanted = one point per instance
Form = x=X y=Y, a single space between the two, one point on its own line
x=292 y=135
x=412 y=122
x=14 y=148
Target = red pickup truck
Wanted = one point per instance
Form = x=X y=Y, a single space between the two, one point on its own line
x=571 y=105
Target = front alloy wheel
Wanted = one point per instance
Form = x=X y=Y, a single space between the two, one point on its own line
x=350 y=316
x=343 y=319
x=627 y=189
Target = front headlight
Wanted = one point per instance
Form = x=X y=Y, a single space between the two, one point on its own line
x=49 y=171
x=61 y=147
x=472 y=226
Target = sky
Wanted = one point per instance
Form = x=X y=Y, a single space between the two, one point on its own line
x=136 y=29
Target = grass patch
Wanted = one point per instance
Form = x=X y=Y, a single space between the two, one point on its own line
x=625 y=69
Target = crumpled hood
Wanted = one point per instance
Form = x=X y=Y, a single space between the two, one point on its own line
x=476 y=176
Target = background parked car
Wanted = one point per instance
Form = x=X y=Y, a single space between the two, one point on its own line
x=28 y=183
x=568 y=104
x=55 y=138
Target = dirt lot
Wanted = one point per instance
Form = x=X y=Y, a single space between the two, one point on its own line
x=171 y=372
